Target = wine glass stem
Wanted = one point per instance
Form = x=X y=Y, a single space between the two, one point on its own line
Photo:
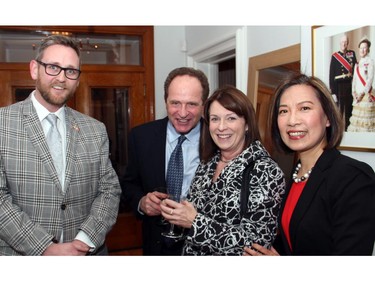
x=171 y=230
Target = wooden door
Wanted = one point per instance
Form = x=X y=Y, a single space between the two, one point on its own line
x=119 y=101
x=262 y=108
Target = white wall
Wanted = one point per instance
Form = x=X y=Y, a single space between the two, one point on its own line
x=199 y=37
x=170 y=52
x=169 y=42
x=264 y=39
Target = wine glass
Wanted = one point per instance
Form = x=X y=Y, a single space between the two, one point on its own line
x=162 y=221
x=172 y=233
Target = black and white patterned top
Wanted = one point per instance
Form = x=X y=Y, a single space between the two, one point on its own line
x=218 y=228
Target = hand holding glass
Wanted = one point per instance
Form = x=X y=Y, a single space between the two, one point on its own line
x=162 y=189
x=172 y=233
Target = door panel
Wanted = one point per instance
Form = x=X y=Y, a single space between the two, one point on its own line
x=11 y=79
x=133 y=81
x=118 y=100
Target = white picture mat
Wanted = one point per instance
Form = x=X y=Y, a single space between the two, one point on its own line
x=326 y=41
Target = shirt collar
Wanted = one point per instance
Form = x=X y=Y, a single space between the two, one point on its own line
x=43 y=112
x=192 y=136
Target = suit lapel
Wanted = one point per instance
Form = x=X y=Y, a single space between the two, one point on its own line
x=160 y=138
x=72 y=132
x=35 y=133
x=308 y=195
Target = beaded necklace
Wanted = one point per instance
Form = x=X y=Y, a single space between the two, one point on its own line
x=304 y=177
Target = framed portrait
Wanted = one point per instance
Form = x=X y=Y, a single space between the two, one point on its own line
x=325 y=42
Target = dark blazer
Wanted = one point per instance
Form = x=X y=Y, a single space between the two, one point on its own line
x=145 y=173
x=33 y=208
x=335 y=214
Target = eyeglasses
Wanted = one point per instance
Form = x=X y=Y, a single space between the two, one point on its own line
x=54 y=70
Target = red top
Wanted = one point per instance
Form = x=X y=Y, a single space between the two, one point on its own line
x=290 y=204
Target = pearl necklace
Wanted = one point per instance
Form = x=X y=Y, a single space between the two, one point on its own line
x=304 y=177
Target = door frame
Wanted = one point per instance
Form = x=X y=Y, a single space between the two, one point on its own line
x=207 y=58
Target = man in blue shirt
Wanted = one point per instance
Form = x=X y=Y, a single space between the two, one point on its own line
x=150 y=146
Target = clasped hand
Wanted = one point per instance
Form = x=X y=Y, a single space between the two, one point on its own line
x=258 y=250
x=150 y=203
x=181 y=214
x=74 y=248
x=358 y=97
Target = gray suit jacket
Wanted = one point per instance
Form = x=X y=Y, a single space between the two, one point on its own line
x=33 y=209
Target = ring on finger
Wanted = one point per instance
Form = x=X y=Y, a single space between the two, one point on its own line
x=171 y=213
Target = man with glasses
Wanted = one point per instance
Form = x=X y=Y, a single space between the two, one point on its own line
x=54 y=70
x=59 y=194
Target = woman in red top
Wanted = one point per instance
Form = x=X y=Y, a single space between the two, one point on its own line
x=329 y=206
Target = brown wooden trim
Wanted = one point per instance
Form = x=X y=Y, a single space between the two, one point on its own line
x=109 y=29
x=271 y=59
x=147 y=63
x=85 y=67
x=355 y=148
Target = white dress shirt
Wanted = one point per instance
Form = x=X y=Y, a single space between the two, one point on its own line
x=190 y=151
x=61 y=126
